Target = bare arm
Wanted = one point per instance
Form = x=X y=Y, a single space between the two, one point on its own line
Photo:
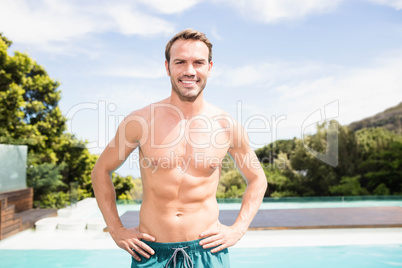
x=126 y=140
x=250 y=168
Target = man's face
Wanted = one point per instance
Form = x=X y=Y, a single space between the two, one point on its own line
x=188 y=68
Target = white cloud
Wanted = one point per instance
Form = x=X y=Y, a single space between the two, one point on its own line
x=215 y=34
x=297 y=89
x=397 y=4
x=56 y=21
x=46 y=21
x=130 y=21
x=42 y=21
x=242 y=76
x=280 y=10
x=361 y=91
x=172 y=6
x=268 y=74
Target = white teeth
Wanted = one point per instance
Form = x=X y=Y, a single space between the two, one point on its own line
x=188 y=82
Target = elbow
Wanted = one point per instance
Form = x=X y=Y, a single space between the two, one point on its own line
x=96 y=173
x=264 y=184
x=260 y=184
x=99 y=173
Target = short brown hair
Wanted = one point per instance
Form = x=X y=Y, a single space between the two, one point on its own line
x=189 y=34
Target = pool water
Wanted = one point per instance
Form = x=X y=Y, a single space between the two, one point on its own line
x=377 y=256
x=311 y=257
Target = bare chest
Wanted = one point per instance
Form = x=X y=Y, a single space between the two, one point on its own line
x=187 y=144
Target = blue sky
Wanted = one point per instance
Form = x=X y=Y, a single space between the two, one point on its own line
x=282 y=65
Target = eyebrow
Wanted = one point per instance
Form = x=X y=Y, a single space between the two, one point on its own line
x=201 y=60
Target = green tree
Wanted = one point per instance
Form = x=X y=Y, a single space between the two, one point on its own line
x=369 y=162
x=380 y=165
x=382 y=170
x=29 y=114
x=79 y=163
x=29 y=104
x=136 y=192
x=268 y=153
x=283 y=180
x=231 y=183
x=317 y=175
x=46 y=181
x=123 y=186
x=371 y=140
x=349 y=186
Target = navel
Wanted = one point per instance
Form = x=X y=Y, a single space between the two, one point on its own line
x=179 y=214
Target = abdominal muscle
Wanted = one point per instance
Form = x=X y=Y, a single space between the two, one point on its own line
x=176 y=225
x=174 y=211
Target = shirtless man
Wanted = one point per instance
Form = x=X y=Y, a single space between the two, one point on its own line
x=182 y=142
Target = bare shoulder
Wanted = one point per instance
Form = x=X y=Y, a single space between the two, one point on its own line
x=138 y=115
x=137 y=123
x=224 y=119
x=143 y=114
x=146 y=112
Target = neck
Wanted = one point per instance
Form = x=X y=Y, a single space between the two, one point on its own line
x=188 y=108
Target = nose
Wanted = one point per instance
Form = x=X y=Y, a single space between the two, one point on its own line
x=189 y=70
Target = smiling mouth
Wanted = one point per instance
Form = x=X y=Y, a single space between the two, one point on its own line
x=188 y=82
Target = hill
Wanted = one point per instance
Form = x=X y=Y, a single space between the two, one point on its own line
x=390 y=119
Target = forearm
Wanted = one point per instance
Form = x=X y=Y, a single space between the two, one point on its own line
x=251 y=202
x=106 y=198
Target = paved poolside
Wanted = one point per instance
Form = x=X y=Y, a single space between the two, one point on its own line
x=272 y=228
x=308 y=218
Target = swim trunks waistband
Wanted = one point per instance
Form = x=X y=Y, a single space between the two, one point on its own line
x=183 y=254
x=191 y=245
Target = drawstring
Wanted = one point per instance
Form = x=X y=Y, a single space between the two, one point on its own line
x=187 y=259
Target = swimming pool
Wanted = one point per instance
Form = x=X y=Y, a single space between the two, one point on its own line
x=346 y=248
x=368 y=256
x=294 y=203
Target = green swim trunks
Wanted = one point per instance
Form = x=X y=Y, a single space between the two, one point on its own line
x=183 y=255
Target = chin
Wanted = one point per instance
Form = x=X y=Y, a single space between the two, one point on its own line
x=189 y=95
x=188 y=98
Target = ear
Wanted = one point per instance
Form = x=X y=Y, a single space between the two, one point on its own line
x=167 y=67
x=210 y=68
